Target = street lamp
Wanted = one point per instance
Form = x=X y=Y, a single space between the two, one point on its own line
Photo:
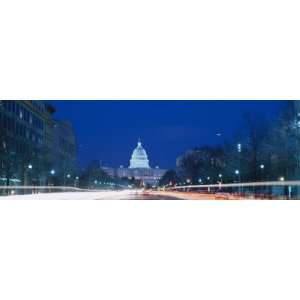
x=51 y=181
x=237 y=172
x=68 y=177
x=262 y=166
x=208 y=178
x=220 y=176
x=76 y=181
x=199 y=180
x=26 y=174
x=281 y=178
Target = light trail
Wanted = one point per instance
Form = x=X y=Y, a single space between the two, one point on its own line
x=46 y=187
x=82 y=195
x=243 y=184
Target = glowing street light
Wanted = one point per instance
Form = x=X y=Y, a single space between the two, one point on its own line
x=30 y=166
x=220 y=175
x=262 y=166
x=199 y=180
x=68 y=175
x=281 y=178
x=237 y=172
x=208 y=178
x=52 y=172
x=239 y=148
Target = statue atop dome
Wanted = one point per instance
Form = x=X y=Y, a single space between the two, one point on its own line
x=139 y=158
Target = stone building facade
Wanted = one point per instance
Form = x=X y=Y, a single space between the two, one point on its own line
x=139 y=168
x=29 y=144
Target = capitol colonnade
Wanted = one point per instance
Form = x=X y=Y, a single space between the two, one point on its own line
x=139 y=168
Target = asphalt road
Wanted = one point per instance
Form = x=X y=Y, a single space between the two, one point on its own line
x=95 y=195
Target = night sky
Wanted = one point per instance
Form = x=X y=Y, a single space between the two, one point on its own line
x=109 y=130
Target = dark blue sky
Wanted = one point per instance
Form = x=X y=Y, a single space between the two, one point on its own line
x=109 y=130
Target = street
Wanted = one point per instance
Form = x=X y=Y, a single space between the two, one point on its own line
x=133 y=194
x=93 y=195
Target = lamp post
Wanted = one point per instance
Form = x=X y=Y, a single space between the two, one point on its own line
x=220 y=181
x=26 y=175
x=52 y=173
x=68 y=177
x=188 y=181
x=239 y=150
x=262 y=166
x=220 y=176
x=208 y=179
x=76 y=181
x=237 y=172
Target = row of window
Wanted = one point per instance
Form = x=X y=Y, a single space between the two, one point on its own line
x=38 y=105
x=19 y=130
x=23 y=114
x=66 y=146
x=19 y=148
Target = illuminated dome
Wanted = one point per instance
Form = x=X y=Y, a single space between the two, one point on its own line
x=139 y=158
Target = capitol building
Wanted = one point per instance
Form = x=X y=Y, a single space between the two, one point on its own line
x=139 y=168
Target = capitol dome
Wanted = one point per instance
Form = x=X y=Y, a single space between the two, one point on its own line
x=139 y=158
